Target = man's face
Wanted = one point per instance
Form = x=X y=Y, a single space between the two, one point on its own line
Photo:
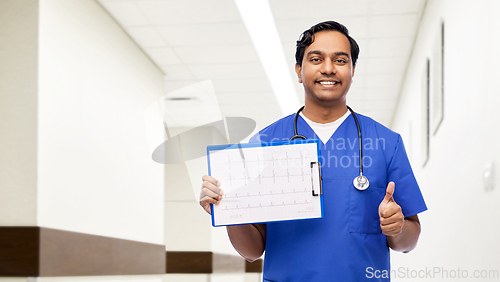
x=327 y=69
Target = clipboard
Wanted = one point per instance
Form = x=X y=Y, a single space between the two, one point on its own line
x=267 y=182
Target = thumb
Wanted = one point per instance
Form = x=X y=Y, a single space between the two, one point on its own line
x=389 y=192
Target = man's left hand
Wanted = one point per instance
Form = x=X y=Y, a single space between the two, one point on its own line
x=391 y=216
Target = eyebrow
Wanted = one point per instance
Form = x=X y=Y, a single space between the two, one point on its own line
x=315 y=52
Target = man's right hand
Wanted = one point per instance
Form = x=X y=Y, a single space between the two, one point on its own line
x=210 y=192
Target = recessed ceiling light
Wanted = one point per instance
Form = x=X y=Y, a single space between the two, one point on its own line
x=181 y=99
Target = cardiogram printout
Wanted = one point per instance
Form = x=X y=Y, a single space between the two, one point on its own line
x=265 y=182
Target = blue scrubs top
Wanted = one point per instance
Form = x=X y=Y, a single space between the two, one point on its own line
x=347 y=243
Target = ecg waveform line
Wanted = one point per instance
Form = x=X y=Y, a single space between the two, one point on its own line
x=248 y=195
x=267 y=206
x=247 y=179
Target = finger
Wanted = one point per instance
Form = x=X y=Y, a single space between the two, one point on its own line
x=397 y=226
x=389 y=191
x=391 y=231
x=209 y=185
x=205 y=203
x=205 y=192
x=211 y=180
x=393 y=225
x=207 y=209
x=208 y=200
x=390 y=210
x=393 y=219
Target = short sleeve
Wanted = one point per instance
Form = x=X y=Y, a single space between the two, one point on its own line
x=407 y=193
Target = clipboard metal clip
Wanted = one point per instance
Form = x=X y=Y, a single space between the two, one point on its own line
x=320 y=178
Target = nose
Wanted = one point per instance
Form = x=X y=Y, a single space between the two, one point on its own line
x=328 y=67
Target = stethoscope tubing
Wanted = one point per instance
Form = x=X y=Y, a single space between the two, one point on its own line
x=297 y=136
x=360 y=141
x=360 y=181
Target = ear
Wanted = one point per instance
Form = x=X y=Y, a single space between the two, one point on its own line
x=353 y=68
x=298 y=71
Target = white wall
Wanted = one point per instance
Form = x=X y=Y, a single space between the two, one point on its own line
x=461 y=227
x=18 y=111
x=96 y=174
x=73 y=152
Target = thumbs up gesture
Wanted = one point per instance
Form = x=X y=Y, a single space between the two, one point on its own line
x=391 y=216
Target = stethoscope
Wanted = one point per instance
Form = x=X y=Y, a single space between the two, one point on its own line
x=360 y=182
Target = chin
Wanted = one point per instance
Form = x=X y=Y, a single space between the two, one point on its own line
x=331 y=99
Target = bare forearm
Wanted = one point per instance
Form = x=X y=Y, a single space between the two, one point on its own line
x=408 y=238
x=248 y=240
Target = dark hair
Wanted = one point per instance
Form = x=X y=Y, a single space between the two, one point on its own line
x=307 y=38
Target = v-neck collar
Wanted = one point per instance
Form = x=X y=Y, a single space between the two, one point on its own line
x=309 y=132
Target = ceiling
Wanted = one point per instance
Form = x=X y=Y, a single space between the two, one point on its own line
x=195 y=40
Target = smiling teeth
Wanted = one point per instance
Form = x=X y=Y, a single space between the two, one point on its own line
x=328 y=82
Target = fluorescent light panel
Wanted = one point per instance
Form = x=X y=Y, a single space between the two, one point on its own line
x=259 y=21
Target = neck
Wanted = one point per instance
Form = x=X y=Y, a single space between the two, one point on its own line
x=322 y=114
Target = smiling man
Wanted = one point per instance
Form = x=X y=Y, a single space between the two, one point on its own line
x=352 y=241
x=325 y=68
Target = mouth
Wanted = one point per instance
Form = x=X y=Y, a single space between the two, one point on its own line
x=328 y=83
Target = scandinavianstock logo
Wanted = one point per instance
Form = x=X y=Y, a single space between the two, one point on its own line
x=436 y=272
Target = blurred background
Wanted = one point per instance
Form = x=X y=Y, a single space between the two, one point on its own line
x=81 y=198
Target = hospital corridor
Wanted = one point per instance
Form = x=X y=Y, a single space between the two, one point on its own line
x=112 y=111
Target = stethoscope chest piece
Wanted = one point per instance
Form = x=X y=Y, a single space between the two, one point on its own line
x=361 y=182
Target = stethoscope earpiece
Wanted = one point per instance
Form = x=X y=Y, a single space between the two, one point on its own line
x=360 y=182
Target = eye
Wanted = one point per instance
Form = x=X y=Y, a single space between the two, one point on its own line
x=342 y=61
x=315 y=60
